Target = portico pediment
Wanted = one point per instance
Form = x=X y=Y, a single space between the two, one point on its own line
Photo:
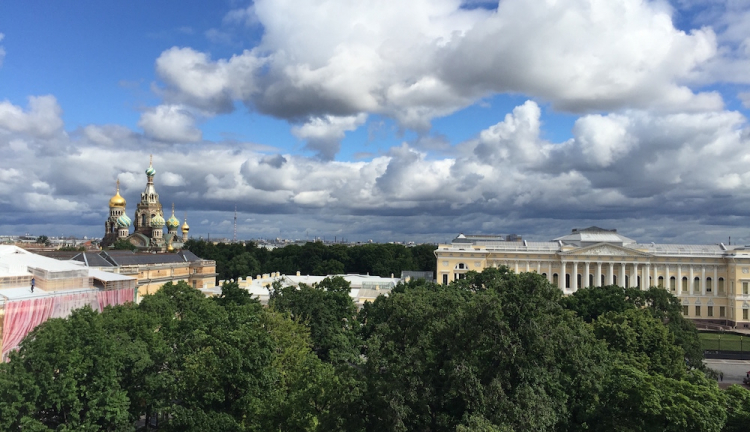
x=604 y=249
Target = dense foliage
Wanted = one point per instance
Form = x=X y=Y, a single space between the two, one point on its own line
x=235 y=260
x=494 y=352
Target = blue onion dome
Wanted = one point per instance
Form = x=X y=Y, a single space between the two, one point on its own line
x=123 y=221
x=173 y=223
x=157 y=221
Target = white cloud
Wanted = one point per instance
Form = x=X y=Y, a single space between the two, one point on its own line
x=324 y=134
x=745 y=98
x=428 y=58
x=172 y=179
x=42 y=119
x=170 y=123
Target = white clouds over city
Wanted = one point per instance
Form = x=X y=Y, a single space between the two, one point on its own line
x=654 y=142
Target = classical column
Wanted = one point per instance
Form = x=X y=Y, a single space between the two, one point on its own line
x=703 y=280
x=715 y=282
x=622 y=275
x=515 y=267
x=667 y=281
x=561 y=276
x=539 y=267
x=586 y=282
x=634 y=275
x=690 y=281
x=646 y=276
x=574 y=277
x=549 y=273
x=528 y=268
x=598 y=280
x=679 y=280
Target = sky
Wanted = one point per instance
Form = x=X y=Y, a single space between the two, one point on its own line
x=379 y=119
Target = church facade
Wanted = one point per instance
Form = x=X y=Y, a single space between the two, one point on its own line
x=711 y=281
x=148 y=221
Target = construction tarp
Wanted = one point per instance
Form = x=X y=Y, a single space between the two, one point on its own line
x=22 y=316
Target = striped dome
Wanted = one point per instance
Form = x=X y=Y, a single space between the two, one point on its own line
x=123 y=221
x=150 y=171
x=157 y=221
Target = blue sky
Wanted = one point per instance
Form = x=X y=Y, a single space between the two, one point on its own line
x=380 y=119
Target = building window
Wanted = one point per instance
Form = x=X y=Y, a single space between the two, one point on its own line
x=696 y=284
x=578 y=281
x=445 y=279
x=567 y=280
x=627 y=281
x=721 y=285
x=672 y=283
x=744 y=288
x=697 y=311
x=544 y=275
x=591 y=280
x=684 y=283
x=722 y=311
x=744 y=314
x=710 y=311
x=708 y=285
x=556 y=279
x=661 y=281
x=638 y=281
x=461 y=266
x=685 y=310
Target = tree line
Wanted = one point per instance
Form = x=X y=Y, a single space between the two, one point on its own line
x=235 y=260
x=497 y=351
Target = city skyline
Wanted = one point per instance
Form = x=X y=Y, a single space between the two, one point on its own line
x=380 y=120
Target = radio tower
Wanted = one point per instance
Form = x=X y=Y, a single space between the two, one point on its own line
x=234 y=239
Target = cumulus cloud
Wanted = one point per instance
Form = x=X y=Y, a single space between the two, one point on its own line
x=41 y=119
x=745 y=98
x=428 y=58
x=629 y=169
x=170 y=123
x=323 y=135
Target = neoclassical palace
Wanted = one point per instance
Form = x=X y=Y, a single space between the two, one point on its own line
x=710 y=280
x=148 y=222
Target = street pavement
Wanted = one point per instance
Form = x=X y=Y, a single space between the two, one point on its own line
x=734 y=370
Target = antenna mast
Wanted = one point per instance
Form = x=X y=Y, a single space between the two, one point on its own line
x=234 y=239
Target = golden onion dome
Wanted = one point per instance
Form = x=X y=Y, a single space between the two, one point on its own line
x=185 y=226
x=170 y=248
x=117 y=200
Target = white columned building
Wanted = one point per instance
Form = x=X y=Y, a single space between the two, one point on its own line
x=605 y=256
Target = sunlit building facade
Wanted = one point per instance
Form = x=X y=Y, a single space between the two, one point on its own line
x=711 y=281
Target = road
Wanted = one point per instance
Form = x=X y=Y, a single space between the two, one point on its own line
x=734 y=370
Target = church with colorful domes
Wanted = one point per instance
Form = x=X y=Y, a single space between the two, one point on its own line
x=148 y=222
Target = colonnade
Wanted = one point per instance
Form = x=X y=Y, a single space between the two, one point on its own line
x=617 y=272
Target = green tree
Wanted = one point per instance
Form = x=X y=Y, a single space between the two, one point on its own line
x=328 y=310
x=641 y=341
x=738 y=409
x=123 y=244
x=65 y=377
x=496 y=347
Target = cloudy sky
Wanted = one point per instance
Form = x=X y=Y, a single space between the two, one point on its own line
x=377 y=119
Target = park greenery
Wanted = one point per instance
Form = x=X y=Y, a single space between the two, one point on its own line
x=238 y=260
x=497 y=351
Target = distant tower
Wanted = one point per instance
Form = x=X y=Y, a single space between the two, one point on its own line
x=234 y=238
x=172 y=224
x=185 y=230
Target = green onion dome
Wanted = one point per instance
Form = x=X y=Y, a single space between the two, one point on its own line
x=172 y=222
x=157 y=222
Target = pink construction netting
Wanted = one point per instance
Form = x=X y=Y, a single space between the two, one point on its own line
x=21 y=317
